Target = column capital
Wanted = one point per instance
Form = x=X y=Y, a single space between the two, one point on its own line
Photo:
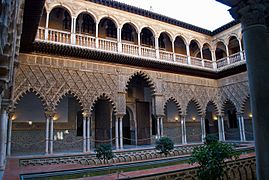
x=86 y=113
x=49 y=114
x=249 y=13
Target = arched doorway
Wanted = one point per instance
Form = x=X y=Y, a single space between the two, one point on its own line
x=139 y=96
x=172 y=128
x=231 y=127
x=28 y=127
x=68 y=126
x=103 y=117
x=211 y=119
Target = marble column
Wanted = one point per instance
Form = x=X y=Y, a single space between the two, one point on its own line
x=157 y=47
x=158 y=127
x=161 y=126
x=252 y=16
x=84 y=133
x=227 y=52
x=47 y=134
x=214 y=63
x=203 y=128
x=88 y=133
x=47 y=26
x=51 y=136
x=183 y=129
x=11 y=118
x=73 y=31
x=188 y=53
x=221 y=128
x=3 y=137
x=240 y=120
x=117 y=132
x=96 y=35
x=139 y=43
x=121 y=132
x=119 y=40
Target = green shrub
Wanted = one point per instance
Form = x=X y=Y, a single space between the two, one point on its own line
x=104 y=152
x=210 y=158
x=164 y=145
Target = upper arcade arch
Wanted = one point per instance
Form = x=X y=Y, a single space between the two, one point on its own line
x=220 y=51
x=86 y=11
x=180 y=45
x=147 y=36
x=206 y=51
x=86 y=24
x=233 y=45
x=129 y=33
x=165 y=41
x=60 y=18
x=107 y=28
x=195 y=48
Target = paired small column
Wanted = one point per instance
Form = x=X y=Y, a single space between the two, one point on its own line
x=183 y=129
x=119 y=135
x=159 y=126
x=221 y=128
x=157 y=47
x=240 y=120
x=86 y=131
x=73 y=30
x=203 y=127
x=227 y=52
x=96 y=35
x=49 y=132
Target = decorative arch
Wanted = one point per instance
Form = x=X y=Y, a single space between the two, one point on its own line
x=86 y=11
x=172 y=99
x=232 y=35
x=112 y=18
x=225 y=102
x=21 y=94
x=60 y=5
x=133 y=24
x=65 y=93
x=196 y=41
x=166 y=32
x=243 y=104
x=150 y=28
x=146 y=77
x=106 y=97
x=181 y=36
x=214 y=105
x=197 y=105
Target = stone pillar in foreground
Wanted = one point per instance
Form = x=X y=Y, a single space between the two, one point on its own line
x=254 y=30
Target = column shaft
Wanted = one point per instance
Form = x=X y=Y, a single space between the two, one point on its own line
x=139 y=44
x=9 y=136
x=51 y=136
x=47 y=26
x=157 y=47
x=121 y=133
x=161 y=124
x=47 y=135
x=96 y=36
x=188 y=53
x=203 y=128
x=89 y=120
x=117 y=132
x=3 y=138
x=84 y=134
x=158 y=127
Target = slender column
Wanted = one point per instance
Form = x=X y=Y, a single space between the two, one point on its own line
x=240 y=120
x=203 y=62
x=10 y=119
x=221 y=128
x=214 y=59
x=51 y=136
x=117 y=132
x=84 y=133
x=73 y=30
x=173 y=49
x=188 y=53
x=157 y=47
x=243 y=128
x=96 y=35
x=88 y=129
x=158 y=127
x=119 y=40
x=47 y=134
x=139 y=43
x=161 y=125
x=241 y=50
x=47 y=26
x=227 y=52
x=121 y=133
x=203 y=128
x=3 y=138
x=183 y=126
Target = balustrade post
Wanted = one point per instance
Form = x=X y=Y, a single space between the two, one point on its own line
x=47 y=26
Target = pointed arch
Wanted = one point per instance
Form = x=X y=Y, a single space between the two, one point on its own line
x=197 y=105
x=145 y=77
x=227 y=101
x=21 y=94
x=103 y=96
x=172 y=99
x=64 y=94
x=211 y=102
x=243 y=104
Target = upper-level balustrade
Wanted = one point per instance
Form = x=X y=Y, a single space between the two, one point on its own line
x=84 y=31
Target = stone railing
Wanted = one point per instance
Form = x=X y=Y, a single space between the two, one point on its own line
x=112 y=45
